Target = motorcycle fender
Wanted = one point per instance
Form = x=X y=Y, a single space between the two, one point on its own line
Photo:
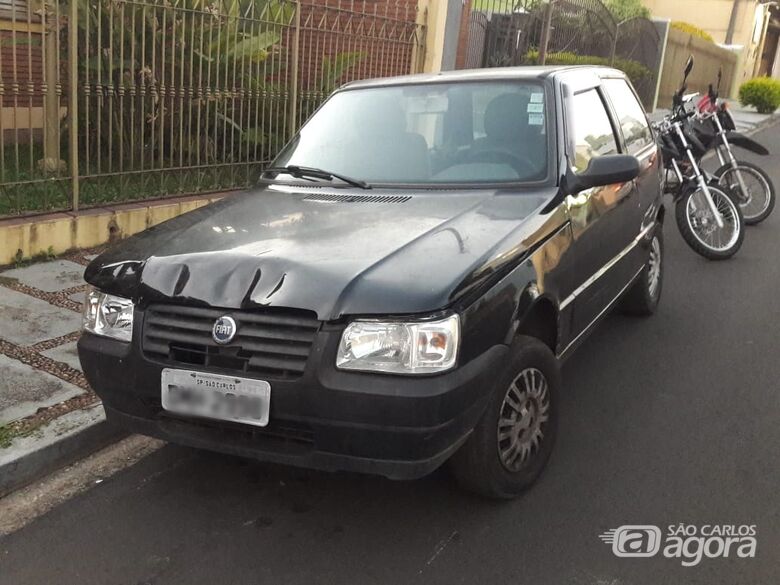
x=743 y=141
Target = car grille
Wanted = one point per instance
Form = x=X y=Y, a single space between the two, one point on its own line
x=272 y=344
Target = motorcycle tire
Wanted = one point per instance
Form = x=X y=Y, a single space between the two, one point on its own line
x=694 y=219
x=752 y=214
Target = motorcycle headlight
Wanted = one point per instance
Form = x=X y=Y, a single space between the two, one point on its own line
x=421 y=347
x=108 y=315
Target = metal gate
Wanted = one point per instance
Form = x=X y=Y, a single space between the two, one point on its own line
x=510 y=32
x=121 y=100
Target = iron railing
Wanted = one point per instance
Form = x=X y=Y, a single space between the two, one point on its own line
x=174 y=96
x=511 y=32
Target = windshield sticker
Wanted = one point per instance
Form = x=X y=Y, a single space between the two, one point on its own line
x=535 y=108
x=537 y=98
x=535 y=119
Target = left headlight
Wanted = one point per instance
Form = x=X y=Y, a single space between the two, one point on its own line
x=421 y=347
x=108 y=315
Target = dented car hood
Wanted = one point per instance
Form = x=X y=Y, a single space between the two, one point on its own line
x=331 y=251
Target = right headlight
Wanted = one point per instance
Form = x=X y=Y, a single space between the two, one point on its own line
x=108 y=315
x=414 y=347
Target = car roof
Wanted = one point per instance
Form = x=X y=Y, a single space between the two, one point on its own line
x=487 y=74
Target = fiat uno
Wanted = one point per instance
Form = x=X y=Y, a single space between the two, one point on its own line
x=399 y=289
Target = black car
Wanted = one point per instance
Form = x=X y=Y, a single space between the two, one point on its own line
x=400 y=288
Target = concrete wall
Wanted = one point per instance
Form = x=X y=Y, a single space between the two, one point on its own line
x=710 y=15
x=713 y=16
x=59 y=232
x=708 y=58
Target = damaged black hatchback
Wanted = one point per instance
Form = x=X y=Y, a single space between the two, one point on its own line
x=400 y=288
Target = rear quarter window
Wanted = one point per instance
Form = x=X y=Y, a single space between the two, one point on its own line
x=633 y=123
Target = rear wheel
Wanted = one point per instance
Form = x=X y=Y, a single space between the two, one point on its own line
x=512 y=443
x=699 y=227
x=643 y=296
x=755 y=192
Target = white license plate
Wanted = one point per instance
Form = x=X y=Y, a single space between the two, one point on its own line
x=214 y=396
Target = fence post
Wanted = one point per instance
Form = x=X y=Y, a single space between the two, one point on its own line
x=419 y=47
x=545 y=37
x=51 y=100
x=614 y=43
x=296 y=50
x=73 y=96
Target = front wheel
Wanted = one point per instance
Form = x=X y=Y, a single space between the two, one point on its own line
x=755 y=192
x=512 y=442
x=699 y=227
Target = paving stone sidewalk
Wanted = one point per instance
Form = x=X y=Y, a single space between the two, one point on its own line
x=40 y=374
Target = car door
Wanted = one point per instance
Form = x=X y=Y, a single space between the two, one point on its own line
x=640 y=207
x=595 y=214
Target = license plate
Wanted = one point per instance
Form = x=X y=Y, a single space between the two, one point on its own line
x=240 y=400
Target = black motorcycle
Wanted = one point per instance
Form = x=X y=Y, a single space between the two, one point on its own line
x=708 y=218
x=749 y=183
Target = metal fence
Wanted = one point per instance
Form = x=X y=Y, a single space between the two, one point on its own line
x=174 y=96
x=511 y=32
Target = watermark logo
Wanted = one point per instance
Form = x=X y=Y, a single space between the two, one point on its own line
x=687 y=542
x=633 y=540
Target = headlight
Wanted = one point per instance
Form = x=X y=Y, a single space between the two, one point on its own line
x=421 y=347
x=108 y=315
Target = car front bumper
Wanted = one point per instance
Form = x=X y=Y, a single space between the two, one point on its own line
x=401 y=427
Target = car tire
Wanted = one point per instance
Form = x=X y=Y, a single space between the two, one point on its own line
x=643 y=296
x=512 y=442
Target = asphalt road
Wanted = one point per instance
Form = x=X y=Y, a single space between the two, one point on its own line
x=668 y=420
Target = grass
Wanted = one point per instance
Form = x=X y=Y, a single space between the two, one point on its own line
x=7 y=436
x=20 y=261
x=12 y=431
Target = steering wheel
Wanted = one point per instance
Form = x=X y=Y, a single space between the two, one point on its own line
x=520 y=163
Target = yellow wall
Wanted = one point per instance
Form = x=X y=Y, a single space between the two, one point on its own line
x=709 y=58
x=63 y=231
x=435 y=14
x=713 y=16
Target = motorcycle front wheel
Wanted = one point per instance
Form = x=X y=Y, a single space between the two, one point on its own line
x=700 y=230
x=759 y=199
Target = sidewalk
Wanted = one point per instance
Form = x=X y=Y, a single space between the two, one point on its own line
x=45 y=400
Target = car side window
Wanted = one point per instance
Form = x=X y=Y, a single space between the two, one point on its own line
x=633 y=123
x=593 y=134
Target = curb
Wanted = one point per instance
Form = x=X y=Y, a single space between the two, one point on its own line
x=764 y=124
x=65 y=440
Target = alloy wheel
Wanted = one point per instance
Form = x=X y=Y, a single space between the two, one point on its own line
x=522 y=419
x=654 y=268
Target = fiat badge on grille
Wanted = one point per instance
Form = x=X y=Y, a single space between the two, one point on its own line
x=224 y=330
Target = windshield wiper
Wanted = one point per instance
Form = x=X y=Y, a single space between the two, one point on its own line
x=303 y=172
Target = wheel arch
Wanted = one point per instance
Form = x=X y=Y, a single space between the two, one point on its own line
x=538 y=317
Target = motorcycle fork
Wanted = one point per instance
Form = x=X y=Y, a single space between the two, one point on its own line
x=700 y=181
x=726 y=155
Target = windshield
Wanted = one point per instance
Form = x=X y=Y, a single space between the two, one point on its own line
x=485 y=132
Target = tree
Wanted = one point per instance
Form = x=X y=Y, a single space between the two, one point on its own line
x=625 y=9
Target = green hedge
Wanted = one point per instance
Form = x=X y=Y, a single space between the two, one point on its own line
x=761 y=92
x=635 y=71
x=692 y=30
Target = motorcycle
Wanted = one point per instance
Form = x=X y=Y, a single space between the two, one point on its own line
x=715 y=128
x=709 y=220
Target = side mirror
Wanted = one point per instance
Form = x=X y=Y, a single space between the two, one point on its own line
x=603 y=170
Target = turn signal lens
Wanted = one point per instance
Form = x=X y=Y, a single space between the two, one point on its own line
x=422 y=347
